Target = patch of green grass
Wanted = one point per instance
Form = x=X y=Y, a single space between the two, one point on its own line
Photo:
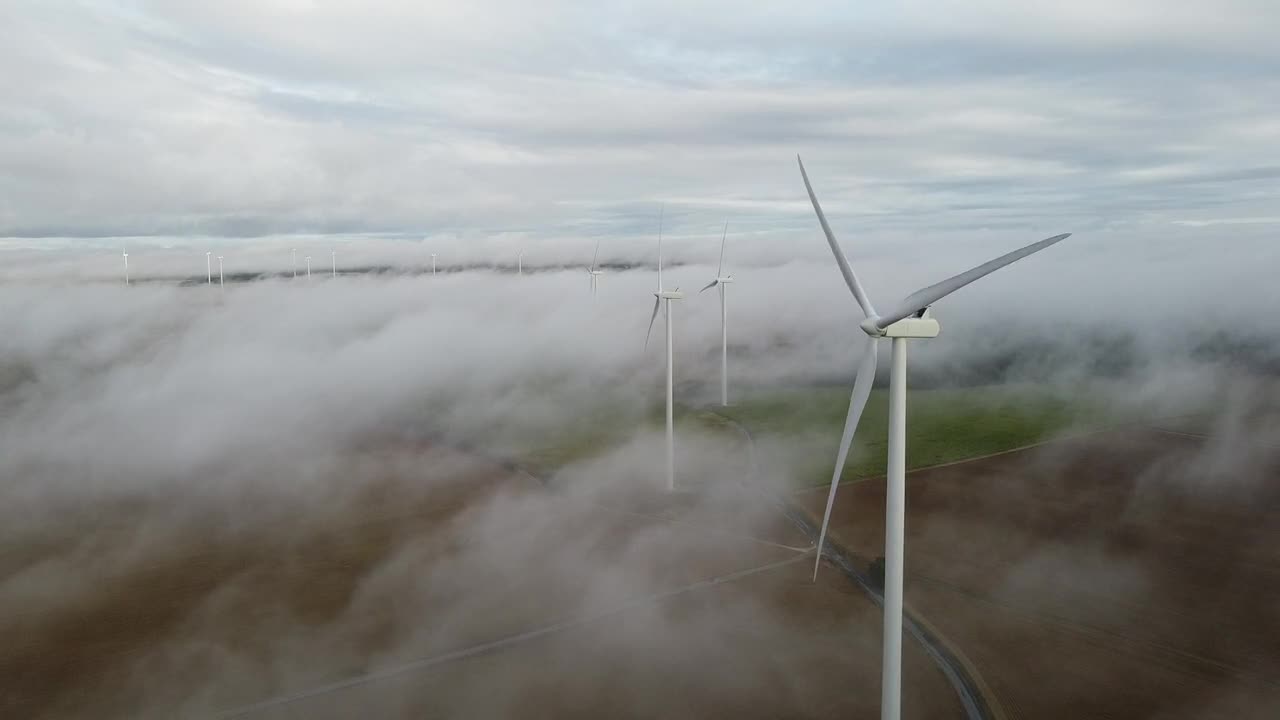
x=944 y=425
x=566 y=444
x=603 y=430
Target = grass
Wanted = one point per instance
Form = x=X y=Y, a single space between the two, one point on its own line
x=601 y=430
x=944 y=425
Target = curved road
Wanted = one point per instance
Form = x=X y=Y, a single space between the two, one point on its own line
x=967 y=686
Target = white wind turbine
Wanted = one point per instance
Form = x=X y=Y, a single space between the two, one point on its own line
x=220 y=283
x=910 y=318
x=720 y=281
x=520 y=263
x=593 y=272
x=308 y=267
x=659 y=297
x=293 y=254
x=333 y=258
x=126 y=266
x=433 y=263
x=208 y=265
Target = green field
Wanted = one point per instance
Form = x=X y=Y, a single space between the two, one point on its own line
x=801 y=426
x=944 y=425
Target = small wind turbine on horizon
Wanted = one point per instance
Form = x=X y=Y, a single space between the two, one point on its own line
x=308 y=267
x=433 y=263
x=664 y=297
x=333 y=258
x=520 y=263
x=126 y=266
x=910 y=318
x=720 y=281
x=220 y=281
x=294 y=261
x=593 y=272
x=208 y=266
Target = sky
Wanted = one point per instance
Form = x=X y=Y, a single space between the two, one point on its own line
x=548 y=121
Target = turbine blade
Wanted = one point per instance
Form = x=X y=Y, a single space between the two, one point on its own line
x=849 y=278
x=654 y=316
x=720 y=267
x=595 y=255
x=857 y=401
x=926 y=296
x=710 y=285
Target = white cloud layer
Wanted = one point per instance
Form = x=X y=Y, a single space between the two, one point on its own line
x=576 y=119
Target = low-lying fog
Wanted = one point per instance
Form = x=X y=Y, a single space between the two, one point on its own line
x=143 y=424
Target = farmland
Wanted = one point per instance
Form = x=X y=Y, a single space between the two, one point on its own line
x=444 y=585
x=1127 y=574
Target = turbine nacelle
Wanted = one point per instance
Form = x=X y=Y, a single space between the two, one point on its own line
x=919 y=325
x=669 y=295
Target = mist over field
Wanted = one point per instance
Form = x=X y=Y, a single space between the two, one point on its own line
x=150 y=426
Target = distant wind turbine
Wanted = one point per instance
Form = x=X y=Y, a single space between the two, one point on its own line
x=594 y=272
x=433 y=263
x=720 y=281
x=520 y=263
x=333 y=258
x=126 y=266
x=208 y=266
x=220 y=283
x=910 y=318
x=294 y=261
x=667 y=296
x=308 y=267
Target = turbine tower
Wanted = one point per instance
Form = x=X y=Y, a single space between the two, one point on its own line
x=333 y=258
x=308 y=267
x=208 y=266
x=220 y=283
x=720 y=281
x=910 y=318
x=433 y=263
x=520 y=263
x=664 y=298
x=126 y=266
x=294 y=261
x=593 y=272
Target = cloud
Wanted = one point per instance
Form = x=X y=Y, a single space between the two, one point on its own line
x=283 y=117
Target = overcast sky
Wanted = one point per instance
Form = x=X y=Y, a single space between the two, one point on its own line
x=251 y=118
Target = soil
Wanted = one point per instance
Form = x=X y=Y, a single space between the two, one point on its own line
x=195 y=606
x=1133 y=574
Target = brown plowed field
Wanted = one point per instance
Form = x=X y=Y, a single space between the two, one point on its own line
x=188 y=607
x=1134 y=574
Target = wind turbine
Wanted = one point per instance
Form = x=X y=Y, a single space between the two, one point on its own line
x=659 y=297
x=910 y=318
x=720 y=281
x=520 y=263
x=220 y=284
x=593 y=272
x=333 y=258
x=294 y=261
x=433 y=263
x=308 y=267
x=126 y=266
x=208 y=265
